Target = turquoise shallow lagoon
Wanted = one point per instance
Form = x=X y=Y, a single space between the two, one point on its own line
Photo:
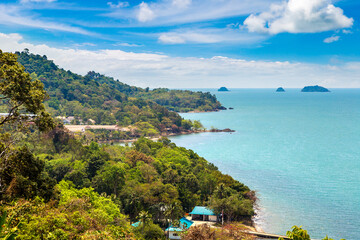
x=299 y=151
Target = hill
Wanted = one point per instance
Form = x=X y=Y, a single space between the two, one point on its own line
x=280 y=89
x=98 y=99
x=223 y=89
x=314 y=89
x=94 y=88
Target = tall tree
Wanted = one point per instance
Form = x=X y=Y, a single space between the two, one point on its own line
x=23 y=100
x=23 y=96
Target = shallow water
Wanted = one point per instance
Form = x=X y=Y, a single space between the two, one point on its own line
x=299 y=151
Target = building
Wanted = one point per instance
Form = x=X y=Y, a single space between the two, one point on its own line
x=203 y=214
x=66 y=120
x=175 y=232
x=136 y=224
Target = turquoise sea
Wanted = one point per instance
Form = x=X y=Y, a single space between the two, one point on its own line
x=299 y=151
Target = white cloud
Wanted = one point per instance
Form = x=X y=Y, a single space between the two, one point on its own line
x=346 y=31
x=171 y=38
x=128 y=44
x=86 y=44
x=332 y=39
x=192 y=37
x=37 y=1
x=209 y=35
x=11 y=15
x=299 y=16
x=170 y=12
x=181 y=3
x=118 y=5
x=158 y=70
x=145 y=13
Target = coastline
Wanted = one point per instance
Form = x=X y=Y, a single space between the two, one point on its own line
x=156 y=138
x=199 y=111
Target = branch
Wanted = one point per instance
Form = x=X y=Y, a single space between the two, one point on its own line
x=9 y=115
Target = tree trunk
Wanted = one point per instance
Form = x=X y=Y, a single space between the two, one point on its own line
x=222 y=217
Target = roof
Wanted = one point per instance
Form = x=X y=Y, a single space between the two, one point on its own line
x=136 y=224
x=202 y=211
x=184 y=225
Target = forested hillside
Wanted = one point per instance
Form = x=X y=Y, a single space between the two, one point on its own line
x=54 y=187
x=98 y=91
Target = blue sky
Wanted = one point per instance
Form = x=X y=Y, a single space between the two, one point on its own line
x=193 y=43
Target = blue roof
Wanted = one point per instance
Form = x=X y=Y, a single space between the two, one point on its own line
x=202 y=211
x=184 y=225
x=136 y=224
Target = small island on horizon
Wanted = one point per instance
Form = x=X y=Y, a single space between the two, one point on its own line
x=223 y=89
x=315 y=88
x=280 y=89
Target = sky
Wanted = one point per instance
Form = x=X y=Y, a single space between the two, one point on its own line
x=193 y=43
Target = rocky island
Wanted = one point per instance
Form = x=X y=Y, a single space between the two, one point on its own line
x=280 y=89
x=315 y=88
x=223 y=89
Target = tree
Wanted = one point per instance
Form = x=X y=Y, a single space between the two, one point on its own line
x=197 y=125
x=174 y=211
x=23 y=98
x=145 y=218
x=110 y=179
x=96 y=158
x=219 y=199
x=21 y=94
x=186 y=124
x=22 y=175
x=298 y=233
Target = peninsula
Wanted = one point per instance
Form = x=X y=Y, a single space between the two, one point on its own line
x=315 y=88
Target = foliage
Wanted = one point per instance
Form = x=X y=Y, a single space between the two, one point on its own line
x=78 y=214
x=21 y=174
x=102 y=99
x=205 y=232
x=230 y=204
x=6 y=231
x=182 y=100
x=59 y=188
x=157 y=177
x=298 y=233
x=200 y=232
x=149 y=231
x=21 y=94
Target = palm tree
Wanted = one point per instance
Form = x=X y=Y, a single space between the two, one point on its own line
x=144 y=217
x=173 y=212
x=221 y=193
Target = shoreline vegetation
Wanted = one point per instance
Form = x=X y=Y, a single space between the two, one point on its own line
x=56 y=185
x=52 y=184
x=84 y=132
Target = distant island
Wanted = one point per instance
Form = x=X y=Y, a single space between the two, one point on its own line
x=223 y=89
x=314 y=89
x=280 y=89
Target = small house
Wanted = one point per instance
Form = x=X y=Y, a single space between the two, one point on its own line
x=203 y=214
x=175 y=232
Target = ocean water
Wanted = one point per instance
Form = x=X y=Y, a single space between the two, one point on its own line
x=299 y=151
